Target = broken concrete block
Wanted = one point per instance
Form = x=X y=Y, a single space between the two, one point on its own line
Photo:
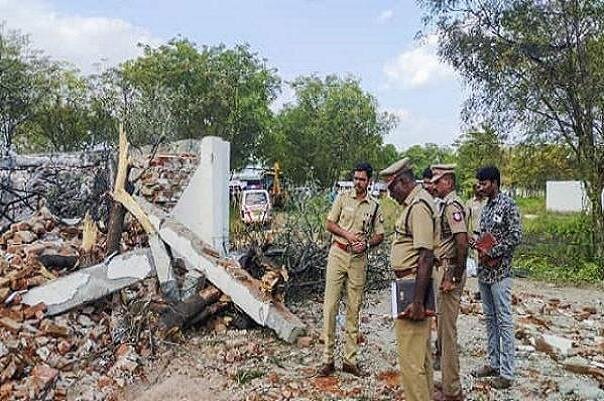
x=163 y=267
x=226 y=274
x=203 y=206
x=92 y=283
x=553 y=345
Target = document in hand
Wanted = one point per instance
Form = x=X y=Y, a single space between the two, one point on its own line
x=402 y=292
x=485 y=242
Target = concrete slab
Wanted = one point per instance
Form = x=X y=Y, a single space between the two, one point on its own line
x=92 y=283
x=163 y=267
x=204 y=204
x=226 y=274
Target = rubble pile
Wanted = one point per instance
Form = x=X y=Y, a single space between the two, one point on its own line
x=570 y=335
x=42 y=356
x=163 y=178
x=68 y=183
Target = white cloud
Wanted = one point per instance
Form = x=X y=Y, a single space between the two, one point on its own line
x=82 y=41
x=385 y=16
x=417 y=129
x=418 y=67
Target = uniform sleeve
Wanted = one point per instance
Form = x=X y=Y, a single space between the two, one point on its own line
x=336 y=210
x=456 y=219
x=422 y=227
x=379 y=221
x=512 y=236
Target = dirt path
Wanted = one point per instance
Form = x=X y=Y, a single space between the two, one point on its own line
x=253 y=365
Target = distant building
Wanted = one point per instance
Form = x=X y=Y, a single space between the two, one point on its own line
x=566 y=196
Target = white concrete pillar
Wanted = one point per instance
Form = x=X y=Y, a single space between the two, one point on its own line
x=204 y=205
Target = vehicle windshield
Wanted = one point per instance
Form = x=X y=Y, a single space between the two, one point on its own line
x=256 y=199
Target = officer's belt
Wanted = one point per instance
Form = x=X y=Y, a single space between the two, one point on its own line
x=402 y=273
x=345 y=248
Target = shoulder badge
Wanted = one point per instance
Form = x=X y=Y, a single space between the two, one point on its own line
x=457 y=216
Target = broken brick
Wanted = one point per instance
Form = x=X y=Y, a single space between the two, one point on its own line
x=53 y=329
x=10 y=324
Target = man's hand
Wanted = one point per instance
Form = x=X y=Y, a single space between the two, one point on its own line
x=352 y=237
x=358 y=247
x=415 y=311
x=447 y=285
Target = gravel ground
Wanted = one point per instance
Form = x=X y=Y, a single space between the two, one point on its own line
x=254 y=365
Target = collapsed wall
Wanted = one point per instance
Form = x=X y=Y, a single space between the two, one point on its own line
x=69 y=184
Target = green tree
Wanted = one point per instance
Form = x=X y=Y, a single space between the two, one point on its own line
x=24 y=84
x=212 y=90
x=536 y=67
x=476 y=149
x=423 y=156
x=532 y=165
x=332 y=125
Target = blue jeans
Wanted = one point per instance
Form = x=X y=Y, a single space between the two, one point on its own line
x=497 y=307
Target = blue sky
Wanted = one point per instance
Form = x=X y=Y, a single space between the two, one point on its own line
x=372 y=40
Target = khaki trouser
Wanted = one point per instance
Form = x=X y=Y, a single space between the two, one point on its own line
x=448 y=310
x=415 y=358
x=343 y=269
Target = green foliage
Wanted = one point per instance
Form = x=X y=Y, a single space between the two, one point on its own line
x=530 y=166
x=332 y=125
x=24 y=84
x=212 y=90
x=476 y=149
x=244 y=376
x=557 y=246
x=423 y=156
x=536 y=68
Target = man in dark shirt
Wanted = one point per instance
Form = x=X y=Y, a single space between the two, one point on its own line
x=501 y=219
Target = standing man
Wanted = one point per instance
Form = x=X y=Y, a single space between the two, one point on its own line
x=412 y=258
x=452 y=252
x=357 y=224
x=474 y=208
x=501 y=220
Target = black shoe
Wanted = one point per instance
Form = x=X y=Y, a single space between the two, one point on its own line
x=485 y=371
x=326 y=369
x=501 y=383
x=352 y=369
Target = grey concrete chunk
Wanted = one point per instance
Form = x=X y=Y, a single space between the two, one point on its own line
x=227 y=275
x=203 y=207
x=92 y=283
x=163 y=267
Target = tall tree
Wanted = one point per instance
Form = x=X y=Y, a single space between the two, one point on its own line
x=332 y=125
x=208 y=91
x=24 y=82
x=423 y=156
x=536 y=67
x=476 y=149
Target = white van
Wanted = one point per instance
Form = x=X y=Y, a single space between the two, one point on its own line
x=256 y=207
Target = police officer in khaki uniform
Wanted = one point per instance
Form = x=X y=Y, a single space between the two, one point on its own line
x=412 y=258
x=357 y=224
x=450 y=273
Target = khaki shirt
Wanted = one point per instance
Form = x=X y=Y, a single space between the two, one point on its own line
x=355 y=215
x=421 y=232
x=452 y=221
